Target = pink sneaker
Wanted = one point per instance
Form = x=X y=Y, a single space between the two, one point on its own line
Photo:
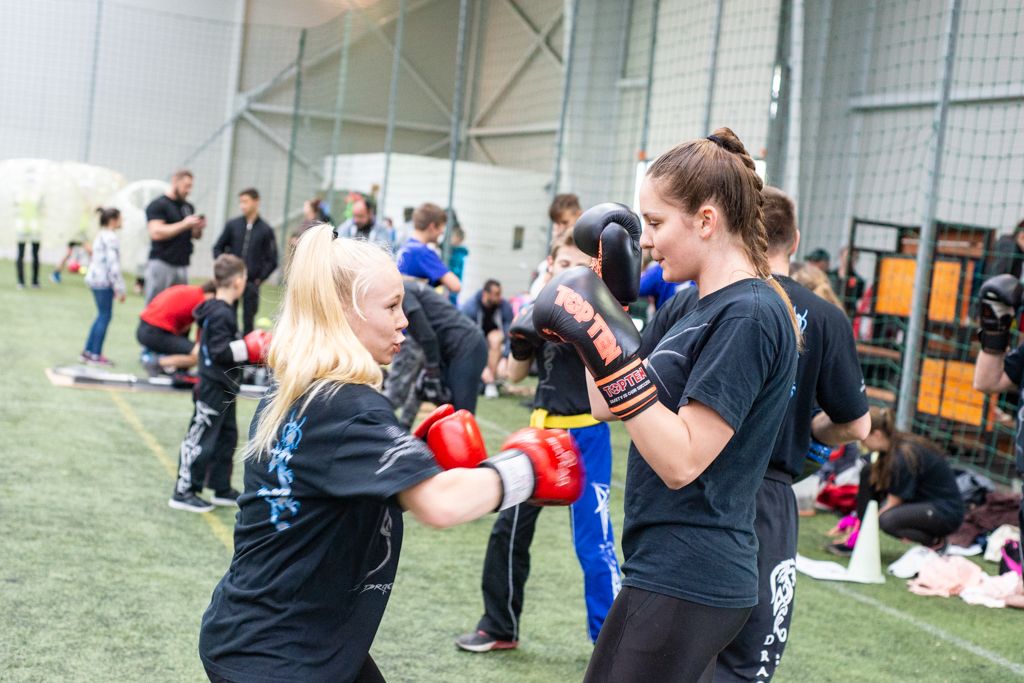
x=101 y=360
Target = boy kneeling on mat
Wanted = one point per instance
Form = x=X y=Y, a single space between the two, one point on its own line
x=213 y=432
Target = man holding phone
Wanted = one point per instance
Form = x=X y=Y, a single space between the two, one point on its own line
x=172 y=225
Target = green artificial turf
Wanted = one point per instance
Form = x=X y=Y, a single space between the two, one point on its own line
x=101 y=581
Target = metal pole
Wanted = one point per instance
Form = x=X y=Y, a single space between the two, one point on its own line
x=87 y=150
x=295 y=134
x=716 y=34
x=778 y=108
x=339 y=104
x=646 y=126
x=853 y=149
x=227 y=146
x=473 y=75
x=820 y=64
x=453 y=147
x=790 y=181
x=389 y=134
x=572 y=8
x=926 y=245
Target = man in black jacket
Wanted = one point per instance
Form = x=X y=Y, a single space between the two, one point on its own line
x=250 y=238
x=1007 y=255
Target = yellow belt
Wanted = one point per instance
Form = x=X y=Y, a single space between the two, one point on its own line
x=540 y=419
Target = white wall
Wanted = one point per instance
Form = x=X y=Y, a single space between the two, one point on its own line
x=489 y=202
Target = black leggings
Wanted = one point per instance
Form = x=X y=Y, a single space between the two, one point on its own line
x=919 y=522
x=462 y=374
x=653 y=637
x=20 y=263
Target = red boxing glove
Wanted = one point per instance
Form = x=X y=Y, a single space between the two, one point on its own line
x=453 y=437
x=541 y=466
x=257 y=344
x=441 y=411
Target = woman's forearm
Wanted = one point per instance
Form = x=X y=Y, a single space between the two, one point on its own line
x=454 y=497
x=679 y=446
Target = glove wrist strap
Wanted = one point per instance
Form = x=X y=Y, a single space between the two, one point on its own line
x=629 y=390
x=517 y=477
x=994 y=342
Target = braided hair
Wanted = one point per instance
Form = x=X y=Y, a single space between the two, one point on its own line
x=718 y=169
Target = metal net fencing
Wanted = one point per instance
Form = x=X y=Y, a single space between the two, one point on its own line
x=894 y=124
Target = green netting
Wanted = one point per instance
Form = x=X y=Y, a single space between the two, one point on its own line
x=840 y=102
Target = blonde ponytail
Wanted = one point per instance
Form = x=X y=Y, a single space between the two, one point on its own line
x=314 y=347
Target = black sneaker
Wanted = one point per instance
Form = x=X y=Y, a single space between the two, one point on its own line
x=227 y=498
x=840 y=549
x=481 y=641
x=189 y=502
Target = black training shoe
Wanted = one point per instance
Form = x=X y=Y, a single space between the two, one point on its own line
x=840 y=549
x=189 y=502
x=481 y=641
x=227 y=498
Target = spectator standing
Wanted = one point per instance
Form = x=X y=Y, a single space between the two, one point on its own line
x=251 y=239
x=494 y=315
x=172 y=225
x=457 y=257
x=846 y=283
x=364 y=224
x=105 y=281
x=820 y=259
x=27 y=227
x=1008 y=254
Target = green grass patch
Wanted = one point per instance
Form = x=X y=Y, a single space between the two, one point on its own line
x=101 y=581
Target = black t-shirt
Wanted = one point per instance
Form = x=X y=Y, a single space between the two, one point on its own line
x=218 y=328
x=932 y=481
x=176 y=250
x=561 y=380
x=452 y=332
x=827 y=374
x=1013 y=366
x=317 y=539
x=735 y=353
x=667 y=315
x=487 y=318
x=828 y=371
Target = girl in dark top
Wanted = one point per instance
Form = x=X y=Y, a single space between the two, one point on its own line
x=329 y=472
x=703 y=412
x=914 y=485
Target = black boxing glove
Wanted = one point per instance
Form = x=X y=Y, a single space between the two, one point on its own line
x=430 y=388
x=523 y=338
x=577 y=308
x=611 y=234
x=999 y=299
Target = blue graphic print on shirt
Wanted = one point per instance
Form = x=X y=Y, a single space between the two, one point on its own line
x=280 y=499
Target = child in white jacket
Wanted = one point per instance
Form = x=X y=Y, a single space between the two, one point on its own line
x=104 y=278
